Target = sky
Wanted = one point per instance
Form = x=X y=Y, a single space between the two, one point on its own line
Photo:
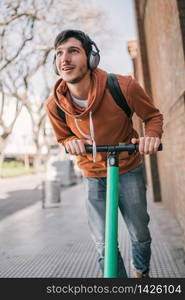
x=121 y=19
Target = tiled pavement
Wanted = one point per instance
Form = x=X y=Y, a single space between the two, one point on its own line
x=55 y=242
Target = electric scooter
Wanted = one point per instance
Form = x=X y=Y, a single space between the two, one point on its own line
x=112 y=196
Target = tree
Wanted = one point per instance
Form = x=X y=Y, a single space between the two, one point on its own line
x=27 y=32
x=6 y=127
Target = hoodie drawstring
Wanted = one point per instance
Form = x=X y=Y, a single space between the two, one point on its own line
x=91 y=136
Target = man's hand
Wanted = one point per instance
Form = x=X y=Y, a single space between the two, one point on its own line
x=76 y=146
x=147 y=145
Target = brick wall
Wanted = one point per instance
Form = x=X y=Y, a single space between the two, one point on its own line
x=164 y=36
x=142 y=74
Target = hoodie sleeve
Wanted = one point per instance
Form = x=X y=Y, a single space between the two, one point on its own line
x=60 y=128
x=140 y=103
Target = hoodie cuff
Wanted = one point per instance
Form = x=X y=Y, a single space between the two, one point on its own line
x=152 y=133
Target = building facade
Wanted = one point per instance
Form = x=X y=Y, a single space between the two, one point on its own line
x=159 y=66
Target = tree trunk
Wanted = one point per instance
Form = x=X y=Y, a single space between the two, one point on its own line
x=37 y=162
x=3 y=143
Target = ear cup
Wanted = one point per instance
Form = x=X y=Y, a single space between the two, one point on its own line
x=55 y=66
x=93 y=60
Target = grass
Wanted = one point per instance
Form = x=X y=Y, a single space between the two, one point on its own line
x=15 y=168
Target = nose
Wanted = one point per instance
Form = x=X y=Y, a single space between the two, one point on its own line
x=65 y=58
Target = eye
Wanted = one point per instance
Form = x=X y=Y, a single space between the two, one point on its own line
x=59 y=53
x=74 y=51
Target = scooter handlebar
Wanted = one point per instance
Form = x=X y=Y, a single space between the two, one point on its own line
x=121 y=147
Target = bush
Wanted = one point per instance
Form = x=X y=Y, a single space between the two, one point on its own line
x=12 y=164
x=14 y=168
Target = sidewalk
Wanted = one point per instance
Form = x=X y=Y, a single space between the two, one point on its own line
x=55 y=242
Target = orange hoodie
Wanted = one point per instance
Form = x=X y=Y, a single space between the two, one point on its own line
x=105 y=119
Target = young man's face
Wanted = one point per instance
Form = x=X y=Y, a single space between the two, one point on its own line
x=71 y=60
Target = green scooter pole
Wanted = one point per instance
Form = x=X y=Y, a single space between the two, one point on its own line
x=111 y=226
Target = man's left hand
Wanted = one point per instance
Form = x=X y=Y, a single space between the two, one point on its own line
x=147 y=144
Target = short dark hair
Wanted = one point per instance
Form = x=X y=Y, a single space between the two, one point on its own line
x=77 y=34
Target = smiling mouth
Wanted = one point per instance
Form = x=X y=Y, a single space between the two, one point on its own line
x=65 y=69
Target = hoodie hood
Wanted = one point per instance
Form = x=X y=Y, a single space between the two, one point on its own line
x=95 y=95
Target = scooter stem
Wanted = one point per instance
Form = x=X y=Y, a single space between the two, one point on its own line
x=111 y=221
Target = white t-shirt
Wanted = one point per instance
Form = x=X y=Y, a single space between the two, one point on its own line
x=82 y=103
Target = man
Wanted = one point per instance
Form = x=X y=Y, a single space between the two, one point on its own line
x=93 y=117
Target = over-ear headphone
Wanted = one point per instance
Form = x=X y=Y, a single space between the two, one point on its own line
x=93 y=58
x=55 y=66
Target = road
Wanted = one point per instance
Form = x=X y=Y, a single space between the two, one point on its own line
x=19 y=192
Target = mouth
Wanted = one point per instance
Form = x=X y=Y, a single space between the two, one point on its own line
x=67 y=69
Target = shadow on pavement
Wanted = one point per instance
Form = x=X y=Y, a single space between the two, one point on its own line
x=19 y=199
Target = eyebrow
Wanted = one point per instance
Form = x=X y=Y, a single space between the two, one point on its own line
x=71 y=47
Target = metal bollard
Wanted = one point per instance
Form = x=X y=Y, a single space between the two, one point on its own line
x=52 y=196
x=67 y=173
x=52 y=183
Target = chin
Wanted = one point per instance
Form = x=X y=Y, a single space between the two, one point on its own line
x=74 y=79
x=77 y=78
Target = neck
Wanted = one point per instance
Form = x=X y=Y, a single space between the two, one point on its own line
x=80 y=89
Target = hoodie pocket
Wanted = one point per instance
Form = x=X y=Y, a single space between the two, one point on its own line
x=99 y=157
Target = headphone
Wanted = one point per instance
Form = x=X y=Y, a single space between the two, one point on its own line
x=93 y=58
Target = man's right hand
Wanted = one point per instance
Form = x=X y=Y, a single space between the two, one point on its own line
x=76 y=146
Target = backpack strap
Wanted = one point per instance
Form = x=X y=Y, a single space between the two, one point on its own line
x=61 y=113
x=117 y=94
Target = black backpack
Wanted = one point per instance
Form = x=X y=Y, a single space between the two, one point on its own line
x=116 y=93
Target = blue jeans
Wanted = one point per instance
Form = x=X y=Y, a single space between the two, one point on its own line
x=133 y=208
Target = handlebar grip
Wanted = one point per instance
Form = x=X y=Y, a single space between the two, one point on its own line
x=160 y=148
